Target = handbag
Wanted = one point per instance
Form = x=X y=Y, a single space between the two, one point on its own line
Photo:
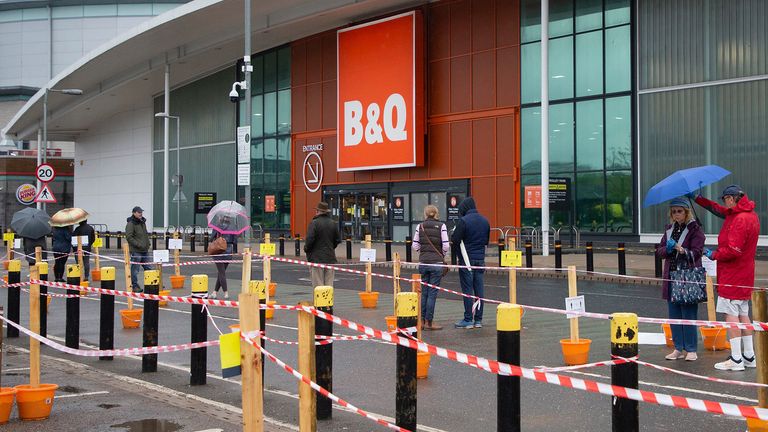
x=218 y=246
x=687 y=284
x=439 y=252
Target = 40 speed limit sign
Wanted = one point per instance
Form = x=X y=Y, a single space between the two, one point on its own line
x=45 y=173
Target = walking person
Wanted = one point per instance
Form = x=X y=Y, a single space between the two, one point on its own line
x=681 y=245
x=735 y=256
x=30 y=245
x=471 y=233
x=429 y=234
x=85 y=230
x=138 y=245
x=221 y=258
x=320 y=245
x=62 y=245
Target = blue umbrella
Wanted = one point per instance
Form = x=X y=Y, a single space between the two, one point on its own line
x=683 y=182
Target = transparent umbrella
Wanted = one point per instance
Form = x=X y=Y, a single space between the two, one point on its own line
x=229 y=217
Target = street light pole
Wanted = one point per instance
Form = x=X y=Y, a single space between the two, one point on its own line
x=71 y=92
x=167 y=117
x=248 y=106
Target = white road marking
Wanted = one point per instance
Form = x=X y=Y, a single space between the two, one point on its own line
x=72 y=395
x=16 y=369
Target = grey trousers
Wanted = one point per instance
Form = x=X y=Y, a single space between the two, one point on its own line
x=321 y=276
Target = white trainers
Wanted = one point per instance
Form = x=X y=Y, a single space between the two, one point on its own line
x=691 y=356
x=675 y=355
x=226 y=294
x=213 y=295
x=749 y=362
x=730 y=364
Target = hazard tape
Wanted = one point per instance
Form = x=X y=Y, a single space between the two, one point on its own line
x=109 y=353
x=57 y=295
x=320 y=389
x=614 y=362
x=505 y=369
x=692 y=375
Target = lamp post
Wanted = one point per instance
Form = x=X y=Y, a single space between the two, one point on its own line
x=178 y=165
x=71 y=92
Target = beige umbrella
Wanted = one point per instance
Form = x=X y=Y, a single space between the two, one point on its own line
x=68 y=216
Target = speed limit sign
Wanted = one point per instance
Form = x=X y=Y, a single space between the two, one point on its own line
x=45 y=173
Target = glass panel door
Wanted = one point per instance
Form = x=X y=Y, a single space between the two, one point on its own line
x=363 y=214
x=347 y=217
x=379 y=229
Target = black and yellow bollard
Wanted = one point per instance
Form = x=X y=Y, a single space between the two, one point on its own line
x=281 y=245
x=508 y=351
x=501 y=245
x=107 y=316
x=198 y=356
x=405 y=402
x=388 y=250
x=298 y=245
x=558 y=255
x=119 y=240
x=43 y=269
x=590 y=257
x=528 y=254
x=151 y=286
x=206 y=240
x=72 y=336
x=625 y=415
x=349 y=248
x=324 y=353
x=107 y=236
x=408 y=251
x=622 y=259
x=14 y=297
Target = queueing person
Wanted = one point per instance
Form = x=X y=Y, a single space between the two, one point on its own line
x=85 y=230
x=320 y=246
x=735 y=256
x=431 y=241
x=471 y=233
x=62 y=245
x=222 y=258
x=138 y=245
x=681 y=245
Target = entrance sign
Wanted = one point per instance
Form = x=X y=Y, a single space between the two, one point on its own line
x=380 y=112
x=204 y=202
x=45 y=173
x=45 y=195
x=26 y=193
x=398 y=211
x=312 y=171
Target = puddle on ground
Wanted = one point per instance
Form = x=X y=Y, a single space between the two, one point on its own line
x=149 y=425
x=107 y=406
x=70 y=389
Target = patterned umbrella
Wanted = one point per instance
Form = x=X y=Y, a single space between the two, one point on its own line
x=31 y=223
x=228 y=217
x=68 y=216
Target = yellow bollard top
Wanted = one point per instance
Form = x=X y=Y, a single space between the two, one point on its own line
x=151 y=278
x=14 y=265
x=107 y=273
x=73 y=271
x=43 y=267
x=624 y=328
x=508 y=317
x=200 y=283
x=406 y=304
x=324 y=296
x=258 y=287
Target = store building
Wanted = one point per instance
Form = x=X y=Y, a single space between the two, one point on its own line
x=633 y=97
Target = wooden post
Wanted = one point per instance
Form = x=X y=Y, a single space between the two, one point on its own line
x=128 y=285
x=572 y=292
x=307 y=396
x=711 y=316
x=95 y=248
x=253 y=403
x=368 y=267
x=246 y=278
x=34 y=325
x=760 y=312
x=38 y=255
x=416 y=287
x=2 y=313
x=395 y=281
x=83 y=276
x=512 y=274
x=176 y=265
x=9 y=244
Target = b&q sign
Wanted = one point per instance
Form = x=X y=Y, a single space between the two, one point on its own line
x=381 y=94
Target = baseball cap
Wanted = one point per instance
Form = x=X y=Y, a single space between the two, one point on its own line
x=137 y=209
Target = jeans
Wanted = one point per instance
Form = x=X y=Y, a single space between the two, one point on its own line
x=431 y=275
x=221 y=276
x=472 y=284
x=138 y=257
x=685 y=337
x=59 y=265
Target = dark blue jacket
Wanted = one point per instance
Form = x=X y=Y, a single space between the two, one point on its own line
x=62 y=239
x=472 y=228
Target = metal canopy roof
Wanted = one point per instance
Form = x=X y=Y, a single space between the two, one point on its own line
x=195 y=39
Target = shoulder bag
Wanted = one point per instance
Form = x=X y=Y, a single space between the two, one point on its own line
x=439 y=251
x=687 y=283
x=218 y=246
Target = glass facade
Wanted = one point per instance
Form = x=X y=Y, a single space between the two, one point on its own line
x=590 y=113
x=688 y=115
x=270 y=139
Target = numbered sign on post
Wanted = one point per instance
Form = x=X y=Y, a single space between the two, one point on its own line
x=45 y=173
x=267 y=249
x=511 y=258
x=175 y=244
x=574 y=304
x=160 y=256
x=17 y=243
x=367 y=255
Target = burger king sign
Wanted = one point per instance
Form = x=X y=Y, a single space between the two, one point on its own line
x=26 y=193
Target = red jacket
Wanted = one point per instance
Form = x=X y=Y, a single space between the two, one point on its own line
x=736 y=247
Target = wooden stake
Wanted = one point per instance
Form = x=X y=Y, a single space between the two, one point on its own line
x=760 y=313
x=34 y=325
x=9 y=243
x=711 y=316
x=38 y=255
x=246 y=278
x=512 y=274
x=307 y=396
x=253 y=403
x=177 y=267
x=83 y=276
x=368 y=267
x=416 y=287
x=572 y=292
x=395 y=282
x=96 y=253
x=128 y=285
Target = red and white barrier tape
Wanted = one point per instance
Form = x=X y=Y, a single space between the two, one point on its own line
x=110 y=353
x=691 y=375
x=616 y=361
x=320 y=389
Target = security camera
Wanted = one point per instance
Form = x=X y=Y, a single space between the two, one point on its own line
x=234 y=96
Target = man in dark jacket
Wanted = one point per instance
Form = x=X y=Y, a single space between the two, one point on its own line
x=472 y=231
x=322 y=238
x=85 y=230
x=138 y=244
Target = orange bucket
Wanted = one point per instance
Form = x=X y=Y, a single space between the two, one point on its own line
x=422 y=364
x=131 y=318
x=164 y=303
x=269 y=313
x=35 y=403
x=369 y=299
x=757 y=425
x=234 y=328
x=85 y=284
x=6 y=263
x=391 y=322
x=575 y=353
x=668 y=335
x=715 y=338
x=272 y=289
x=47 y=303
x=7 y=395
x=177 y=282
x=96 y=275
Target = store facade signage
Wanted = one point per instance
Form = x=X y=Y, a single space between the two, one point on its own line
x=312 y=148
x=312 y=172
x=380 y=112
x=26 y=193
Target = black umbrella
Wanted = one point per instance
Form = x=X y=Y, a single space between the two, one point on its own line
x=31 y=223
